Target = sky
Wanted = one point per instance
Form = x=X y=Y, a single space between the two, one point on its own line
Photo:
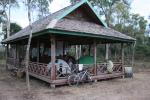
x=19 y=15
x=141 y=7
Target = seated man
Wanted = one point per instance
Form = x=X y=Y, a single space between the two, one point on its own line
x=110 y=66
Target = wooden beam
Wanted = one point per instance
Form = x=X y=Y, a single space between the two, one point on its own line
x=107 y=76
x=46 y=79
x=122 y=57
x=97 y=77
x=80 y=51
x=76 y=47
x=38 y=50
x=133 y=53
x=15 y=56
x=107 y=52
x=89 y=49
x=122 y=53
x=6 y=56
x=53 y=58
x=63 y=48
x=95 y=58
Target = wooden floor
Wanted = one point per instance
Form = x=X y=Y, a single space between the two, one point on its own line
x=65 y=81
x=107 y=76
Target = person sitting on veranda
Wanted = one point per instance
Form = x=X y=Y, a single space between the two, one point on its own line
x=110 y=66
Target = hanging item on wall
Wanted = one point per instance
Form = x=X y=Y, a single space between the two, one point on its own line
x=34 y=52
x=46 y=51
x=41 y=48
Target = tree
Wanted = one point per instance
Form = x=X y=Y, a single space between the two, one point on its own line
x=74 y=1
x=2 y=20
x=4 y=6
x=40 y=7
x=28 y=45
x=107 y=8
x=14 y=28
x=29 y=6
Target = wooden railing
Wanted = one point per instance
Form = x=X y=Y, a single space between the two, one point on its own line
x=117 y=67
x=102 y=67
x=39 y=69
x=11 y=61
x=43 y=70
x=15 y=62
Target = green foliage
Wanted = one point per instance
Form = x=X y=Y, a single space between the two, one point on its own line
x=14 y=28
x=5 y=5
x=142 y=52
x=118 y=16
x=41 y=6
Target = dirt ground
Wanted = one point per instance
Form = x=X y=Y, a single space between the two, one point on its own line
x=137 y=88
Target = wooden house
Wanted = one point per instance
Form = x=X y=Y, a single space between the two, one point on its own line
x=54 y=35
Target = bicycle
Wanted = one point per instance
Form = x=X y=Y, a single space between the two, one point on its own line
x=82 y=76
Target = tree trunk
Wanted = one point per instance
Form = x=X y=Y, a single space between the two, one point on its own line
x=8 y=31
x=28 y=45
x=8 y=20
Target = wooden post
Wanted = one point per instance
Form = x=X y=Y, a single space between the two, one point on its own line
x=38 y=50
x=133 y=53
x=6 y=54
x=107 y=51
x=122 y=57
x=76 y=52
x=95 y=58
x=53 y=54
x=89 y=50
x=80 y=51
x=15 y=51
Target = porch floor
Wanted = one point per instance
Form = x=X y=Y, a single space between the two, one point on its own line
x=64 y=81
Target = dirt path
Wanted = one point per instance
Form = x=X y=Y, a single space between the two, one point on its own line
x=137 y=88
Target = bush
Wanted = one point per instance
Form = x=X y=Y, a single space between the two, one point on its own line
x=142 y=52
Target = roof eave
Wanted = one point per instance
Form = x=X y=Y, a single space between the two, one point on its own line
x=65 y=32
